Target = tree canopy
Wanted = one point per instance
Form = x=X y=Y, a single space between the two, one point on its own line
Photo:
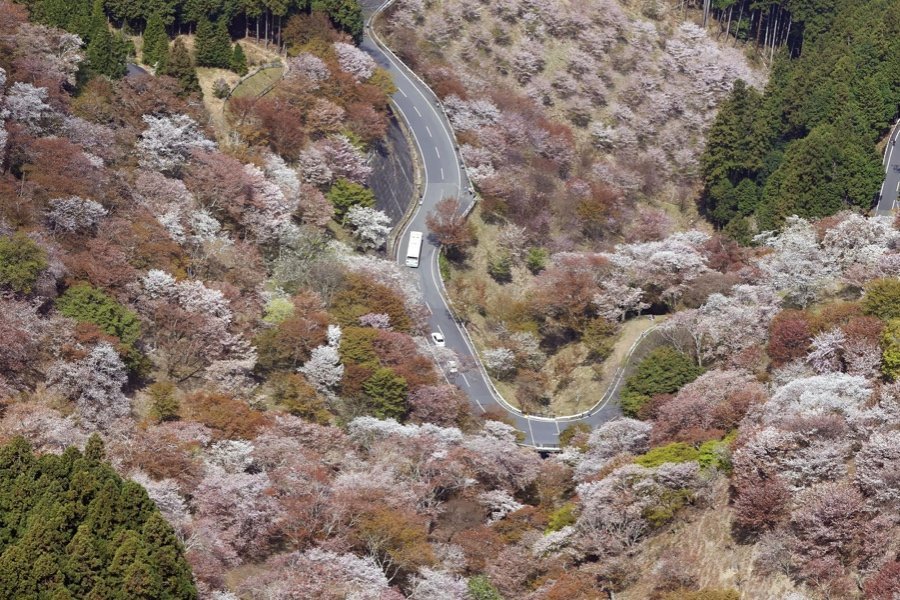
x=70 y=527
x=806 y=146
x=663 y=371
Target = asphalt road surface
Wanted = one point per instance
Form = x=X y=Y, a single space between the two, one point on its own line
x=888 y=199
x=444 y=176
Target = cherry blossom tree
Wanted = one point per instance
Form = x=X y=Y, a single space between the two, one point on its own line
x=191 y=326
x=878 y=467
x=662 y=268
x=21 y=329
x=74 y=214
x=846 y=396
x=438 y=585
x=27 y=104
x=440 y=404
x=354 y=61
x=616 y=300
x=371 y=226
x=45 y=429
x=324 y=369
x=619 y=436
x=723 y=325
x=341 y=158
x=828 y=521
x=800 y=460
x=236 y=507
x=309 y=67
x=706 y=408
x=499 y=361
x=797 y=267
x=614 y=510
x=498 y=461
x=826 y=351
x=167 y=143
x=321 y=574
x=95 y=384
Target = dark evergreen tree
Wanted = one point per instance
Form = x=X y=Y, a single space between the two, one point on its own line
x=63 y=534
x=222 y=45
x=663 y=371
x=84 y=564
x=107 y=54
x=345 y=14
x=806 y=146
x=181 y=66
x=213 y=44
x=239 y=60
x=94 y=450
x=204 y=44
x=156 y=42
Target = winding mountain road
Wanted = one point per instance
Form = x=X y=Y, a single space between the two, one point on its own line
x=443 y=176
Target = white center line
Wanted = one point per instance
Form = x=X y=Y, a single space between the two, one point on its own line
x=416 y=108
x=402 y=92
x=436 y=151
x=429 y=131
x=442 y=172
x=463 y=375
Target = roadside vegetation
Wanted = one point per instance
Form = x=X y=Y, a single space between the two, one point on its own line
x=579 y=135
x=274 y=422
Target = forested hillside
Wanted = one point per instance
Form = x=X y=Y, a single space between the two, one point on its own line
x=71 y=528
x=581 y=126
x=806 y=146
x=203 y=287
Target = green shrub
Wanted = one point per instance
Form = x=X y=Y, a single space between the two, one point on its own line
x=295 y=395
x=444 y=266
x=21 y=262
x=164 y=404
x=709 y=454
x=344 y=195
x=667 y=506
x=882 y=299
x=500 y=268
x=663 y=371
x=278 y=310
x=890 y=350
x=536 y=260
x=561 y=517
x=90 y=305
x=482 y=589
x=677 y=452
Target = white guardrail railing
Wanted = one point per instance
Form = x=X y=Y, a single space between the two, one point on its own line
x=466 y=184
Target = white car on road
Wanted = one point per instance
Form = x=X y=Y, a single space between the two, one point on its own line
x=438 y=338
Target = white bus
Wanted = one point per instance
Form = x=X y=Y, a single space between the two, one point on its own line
x=414 y=249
